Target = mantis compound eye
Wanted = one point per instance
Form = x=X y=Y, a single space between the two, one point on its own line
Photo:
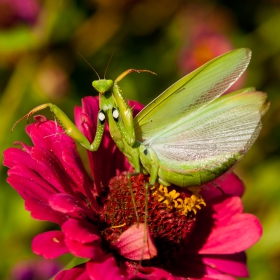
x=115 y=114
x=101 y=116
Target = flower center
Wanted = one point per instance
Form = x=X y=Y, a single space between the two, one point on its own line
x=171 y=213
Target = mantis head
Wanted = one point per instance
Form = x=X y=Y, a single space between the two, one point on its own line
x=102 y=85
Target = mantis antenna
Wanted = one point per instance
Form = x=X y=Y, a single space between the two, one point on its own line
x=108 y=64
x=89 y=65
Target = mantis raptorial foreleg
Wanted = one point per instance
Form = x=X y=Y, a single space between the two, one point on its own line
x=131 y=153
x=125 y=111
x=70 y=128
x=111 y=100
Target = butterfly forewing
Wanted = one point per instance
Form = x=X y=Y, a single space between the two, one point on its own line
x=191 y=94
x=223 y=130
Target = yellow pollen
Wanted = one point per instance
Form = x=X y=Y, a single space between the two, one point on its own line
x=118 y=226
x=173 y=200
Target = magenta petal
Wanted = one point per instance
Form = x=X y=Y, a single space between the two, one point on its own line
x=81 y=231
x=75 y=169
x=218 y=277
x=155 y=273
x=195 y=265
x=15 y=156
x=42 y=211
x=234 y=264
x=230 y=185
x=29 y=184
x=53 y=168
x=130 y=243
x=147 y=273
x=75 y=273
x=105 y=268
x=49 y=135
x=88 y=250
x=231 y=230
x=34 y=269
x=136 y=107
x=49 y=244
x=64 y=203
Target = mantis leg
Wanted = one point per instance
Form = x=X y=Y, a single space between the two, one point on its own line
x=125 y=73
x=70 y=128
x=150 y=162
x=145 y=234
x=126 y=112
x=131 y=153
x=132 y=195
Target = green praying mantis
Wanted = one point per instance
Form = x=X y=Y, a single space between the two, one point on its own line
x=188 y=135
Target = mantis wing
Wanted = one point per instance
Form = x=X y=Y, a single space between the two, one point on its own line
x=191 y=93
x=222 y=131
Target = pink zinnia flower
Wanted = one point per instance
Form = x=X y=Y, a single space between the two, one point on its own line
x=204 y=40
x=14 y=11
x=34 y=270
x=97 y=219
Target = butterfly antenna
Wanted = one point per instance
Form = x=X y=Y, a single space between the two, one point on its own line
x=108 y=64
x=89 y=65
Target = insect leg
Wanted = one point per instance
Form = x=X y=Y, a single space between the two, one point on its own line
x=145 y=233
x=132 y=195
x=125 y=111
x=69 y=127
x=125 y=73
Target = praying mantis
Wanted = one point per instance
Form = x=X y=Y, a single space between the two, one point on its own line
x=188 y=135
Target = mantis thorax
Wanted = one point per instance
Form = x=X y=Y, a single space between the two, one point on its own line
x=102 y=85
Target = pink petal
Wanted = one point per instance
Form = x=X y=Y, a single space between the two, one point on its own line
x=52 y=149
x=23 y=165
x=42 y=211
x=104 y=268
x=80 y=231
x=29 y=184
x=54 y=169
x=233 y=264
x=75 y=273
x=136 y=107
x=49 y=135
x=194 y=265
x=65 y=203
x=41 y=166
x=15 y=156
x=34 y=268
x=226 y=231
x=148 y=273
x=216 y=277
x=130 y=243
x=226 y=185
x=88 y=250
x=49 y=244
x=86 y=120
x=155 y=273
x=76 y=170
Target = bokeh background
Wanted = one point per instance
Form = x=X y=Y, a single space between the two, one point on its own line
x=40 y=43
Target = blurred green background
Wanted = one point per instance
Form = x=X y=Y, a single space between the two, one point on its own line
x=40 y=42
